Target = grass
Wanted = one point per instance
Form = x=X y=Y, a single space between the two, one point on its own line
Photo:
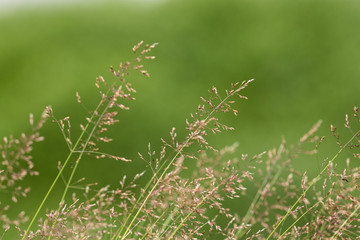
x=179 y=202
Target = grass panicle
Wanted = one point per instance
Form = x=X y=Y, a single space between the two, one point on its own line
x=210 y=200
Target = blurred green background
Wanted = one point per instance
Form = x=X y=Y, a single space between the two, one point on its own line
x=304 y=56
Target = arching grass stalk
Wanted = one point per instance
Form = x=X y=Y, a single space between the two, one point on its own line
x=155 y=176
x=312 y=183
x=255 y=203
x=119 y=231
x=77 y=163
x=168 y=219
x=72 y=151
x=120 y=77
x=293 y=224
x=178 y=152
x=168 y=227
x=344 y=223
x=82 y=151
x=157 y=220
x=191 y=212
x=151 y=191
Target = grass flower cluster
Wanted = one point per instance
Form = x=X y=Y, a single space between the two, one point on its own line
x=180 y=202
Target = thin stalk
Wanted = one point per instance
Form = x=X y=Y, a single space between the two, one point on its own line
x=82 y=152
x=255 y=202
x=192 y=211
x=55 y=181
x=168 y=227
x=83 y=149
x=312 y=183
x=152 y=190
x=119 y=231
x=293 y=224
x=168 y=219
x=344 y=223
x=168 y=166
x=157 y=220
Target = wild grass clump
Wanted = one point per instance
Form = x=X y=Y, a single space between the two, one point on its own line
x=186 y=203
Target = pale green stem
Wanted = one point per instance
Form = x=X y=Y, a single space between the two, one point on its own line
x=312 y=183
x=168 y=227
x=255 y=203
x=152 y=189
x=54 y=182
x=293 y=224
x=83 y=149
x=168 y=219
x=118 y=232
x=233 y=92
x=344 y=223
x=191 y=212
x=82 y=152
x=157 y=220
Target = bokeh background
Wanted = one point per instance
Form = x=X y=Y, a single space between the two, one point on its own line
x=304 y=56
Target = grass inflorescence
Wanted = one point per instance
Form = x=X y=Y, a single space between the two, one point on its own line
x=178 y=202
